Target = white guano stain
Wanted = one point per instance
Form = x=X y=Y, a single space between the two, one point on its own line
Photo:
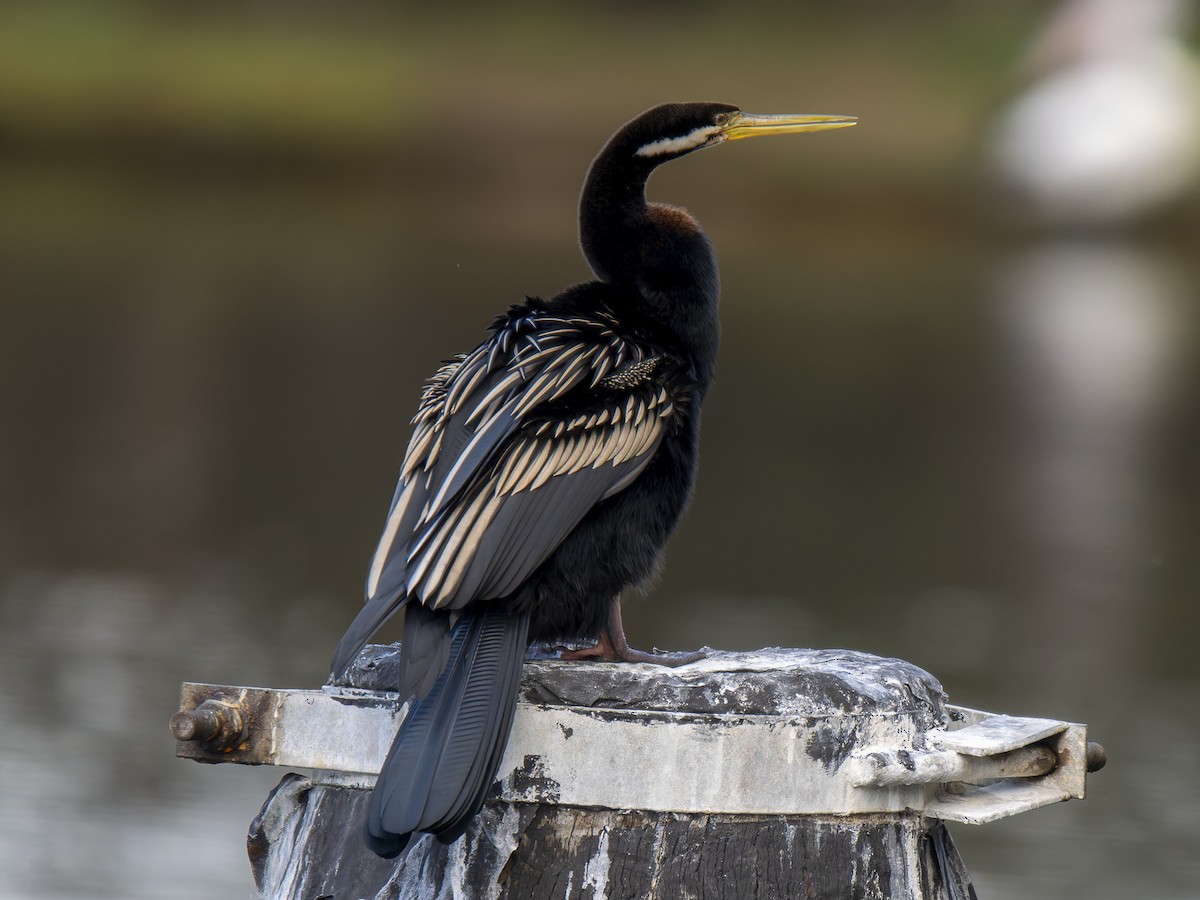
x=595 y=870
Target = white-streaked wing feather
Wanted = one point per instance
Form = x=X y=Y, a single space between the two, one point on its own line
x=517 y=478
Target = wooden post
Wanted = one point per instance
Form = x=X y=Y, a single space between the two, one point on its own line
x=533 y=851
x=781 y=773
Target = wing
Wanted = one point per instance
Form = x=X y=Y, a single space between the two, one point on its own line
x=512 y=445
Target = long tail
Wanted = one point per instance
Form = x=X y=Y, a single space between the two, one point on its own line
x=425 y=648
x=374 y=612
x=445 y=756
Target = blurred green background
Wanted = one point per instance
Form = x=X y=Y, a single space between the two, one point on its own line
x=234 y=237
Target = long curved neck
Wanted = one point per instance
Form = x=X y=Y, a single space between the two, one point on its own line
x=656 y=254
x=612 y=210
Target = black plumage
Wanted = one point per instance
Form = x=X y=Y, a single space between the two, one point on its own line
x=546 y=470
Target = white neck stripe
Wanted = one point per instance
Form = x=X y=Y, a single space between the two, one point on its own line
x=679 y=144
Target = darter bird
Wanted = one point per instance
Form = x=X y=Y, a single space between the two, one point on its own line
x=546 y=470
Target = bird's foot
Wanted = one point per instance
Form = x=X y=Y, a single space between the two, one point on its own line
x=612 y=647
x=602 y=653
x=669 y=658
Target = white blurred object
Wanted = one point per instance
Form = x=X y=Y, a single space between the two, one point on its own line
x=1093 y=328
x=1093 y=332
x=1110 y=129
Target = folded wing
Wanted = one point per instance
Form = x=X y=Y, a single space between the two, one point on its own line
x=512 y=445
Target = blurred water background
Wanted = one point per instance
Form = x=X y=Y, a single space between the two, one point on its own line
x=235 y=237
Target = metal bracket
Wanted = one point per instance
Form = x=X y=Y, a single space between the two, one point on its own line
x=336 y=729
x=981 y=767
x=987 y=766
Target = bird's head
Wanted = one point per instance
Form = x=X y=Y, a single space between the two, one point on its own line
x=674 y=129
x=614 y=219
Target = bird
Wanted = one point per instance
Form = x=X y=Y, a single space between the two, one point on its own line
x=546 y=470
x=1107 y=132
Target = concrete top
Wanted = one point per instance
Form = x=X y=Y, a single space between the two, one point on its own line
x=773 y=681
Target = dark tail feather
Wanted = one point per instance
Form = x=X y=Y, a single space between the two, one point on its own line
x=425 y=649
x=445 y=756
x=374 y=613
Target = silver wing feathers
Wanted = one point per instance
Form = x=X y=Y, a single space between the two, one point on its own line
x=512 y=444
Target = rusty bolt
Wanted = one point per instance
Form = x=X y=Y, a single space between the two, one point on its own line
x=196 y=724
x=212 y=722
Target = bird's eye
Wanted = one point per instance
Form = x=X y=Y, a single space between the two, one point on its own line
x=721 y=119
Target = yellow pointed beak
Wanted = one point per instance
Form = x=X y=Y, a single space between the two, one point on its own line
x=744 y=125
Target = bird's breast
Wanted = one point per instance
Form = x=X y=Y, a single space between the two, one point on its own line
x=672 y=218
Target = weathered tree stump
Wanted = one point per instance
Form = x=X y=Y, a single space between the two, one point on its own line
x=719 y=779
